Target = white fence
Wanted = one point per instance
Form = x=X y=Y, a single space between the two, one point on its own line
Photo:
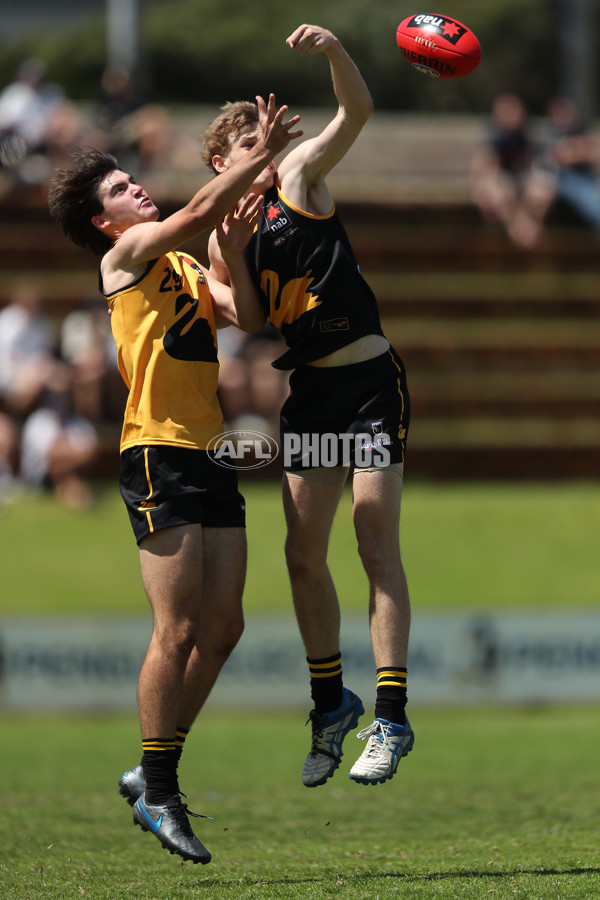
x=503 y=658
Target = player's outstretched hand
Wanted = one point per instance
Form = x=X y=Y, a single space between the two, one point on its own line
x=277 y=133
x=311 y=39
x=234 y=232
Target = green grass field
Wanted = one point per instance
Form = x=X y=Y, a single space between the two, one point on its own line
x=488 y=805
x=468 y=547
x=499 y=803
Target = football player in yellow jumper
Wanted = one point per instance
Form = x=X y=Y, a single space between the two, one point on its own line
x=186 y=512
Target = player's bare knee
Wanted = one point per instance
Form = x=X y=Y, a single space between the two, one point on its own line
x=373 y=557
x=176 y=639
x=232 y=634
x=222 y=637
x=302 y=564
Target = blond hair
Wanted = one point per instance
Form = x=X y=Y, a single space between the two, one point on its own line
x=222 y=131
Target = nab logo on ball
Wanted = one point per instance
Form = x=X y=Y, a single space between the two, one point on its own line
x=448 y=29
x=243 y=449
x=438 y=46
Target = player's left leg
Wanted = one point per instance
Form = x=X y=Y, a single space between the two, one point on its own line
x=171 y=562
x=376 y=512
x=220 y=627
x=310 y=506
x=221 y=617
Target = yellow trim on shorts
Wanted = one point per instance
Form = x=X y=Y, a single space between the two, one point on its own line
x=149 y=480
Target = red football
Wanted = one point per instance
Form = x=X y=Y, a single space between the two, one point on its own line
x=438 y=46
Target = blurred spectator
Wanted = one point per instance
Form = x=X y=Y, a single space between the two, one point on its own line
x=27 y=109
x=501 y=170
x=27 y=104
x=58 y=447
x=8 y=458
x=27 y=350
x=119 y=97
x=69 y=128
x=138 y=133
x=87 y=344
x=118 y=101
x=43 y=439
x=566 y=166
x=40 y=126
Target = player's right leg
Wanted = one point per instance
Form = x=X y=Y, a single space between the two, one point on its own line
x=377 y=501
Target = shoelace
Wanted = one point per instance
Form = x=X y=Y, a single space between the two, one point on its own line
x=195 y=815
x=317 y=734
x=181 y=813
x=378 y=733
x=182 y=810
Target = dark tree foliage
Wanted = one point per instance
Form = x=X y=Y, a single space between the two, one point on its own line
x=206 y=51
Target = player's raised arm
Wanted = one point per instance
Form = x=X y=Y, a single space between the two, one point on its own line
x=319 y=155
x=235 y=298
x=147 y=240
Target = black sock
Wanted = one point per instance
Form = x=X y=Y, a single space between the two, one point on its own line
x=326 y=682
x=180 y=736
x=159 y=762
x=390 y=702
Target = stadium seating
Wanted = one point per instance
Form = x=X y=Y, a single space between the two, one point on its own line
x=502 y=345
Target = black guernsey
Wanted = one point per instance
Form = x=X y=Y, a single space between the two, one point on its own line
x=310 y=282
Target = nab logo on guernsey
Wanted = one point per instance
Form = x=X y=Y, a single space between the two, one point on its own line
x=243 y=449
x=276 y=218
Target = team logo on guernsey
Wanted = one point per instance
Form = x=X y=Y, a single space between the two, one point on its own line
x=276 y=218
x=195 y=267
x=338 y=324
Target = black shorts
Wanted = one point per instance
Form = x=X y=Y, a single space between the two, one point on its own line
x=164 y=486
x=336 y=415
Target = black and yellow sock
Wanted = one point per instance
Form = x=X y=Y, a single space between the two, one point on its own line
x=326 y=682
x=180 y=736
x=159 y=762
x=390 y=702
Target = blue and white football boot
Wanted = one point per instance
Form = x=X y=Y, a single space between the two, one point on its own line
x=387 y=744
x=328 y=733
